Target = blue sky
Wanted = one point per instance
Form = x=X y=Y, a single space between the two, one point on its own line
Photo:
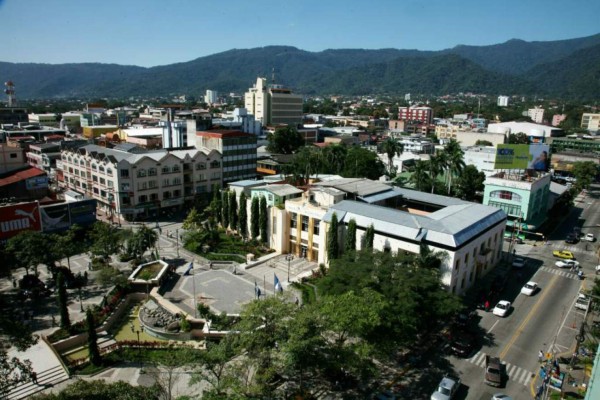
x=159 y=32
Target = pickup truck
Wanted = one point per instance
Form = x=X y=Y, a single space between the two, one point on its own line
x=583 y=302
x=493 y=371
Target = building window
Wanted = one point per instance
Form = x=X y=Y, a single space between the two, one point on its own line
x=151 y=171
x=201 y=165
x=142 y=186
x=505 y=195
x=177 y=181
x=101 y=169
x=124 y=173
x=305 y=223
x=165 y=169
x=176 y=168
x=215 y=164
x=94 y=178
x=108 y=171
x=141 y=173
x=177 y=193
x=143 y=198
x=152 y=184
x=124 y=186
x=13 y=155
x=166 y=182
x=201 y=177
x=95 y=190
x=167 y=195
x=293 y=218
x=153 y=197
x=316 y=227
x=109 y=183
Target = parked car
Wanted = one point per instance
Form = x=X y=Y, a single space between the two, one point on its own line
x=446 y=389
x=464 y=317
x=565 y=254
x=529 y=288
x=567 y=264
x=597 y=269
x=501 y=396
x=571 y=239
x=589 y=237
x=519 y=262
x=502 y=308
x=462 y=343
x=583 y=302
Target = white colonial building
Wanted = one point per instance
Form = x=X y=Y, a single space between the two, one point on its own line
x=140 y=185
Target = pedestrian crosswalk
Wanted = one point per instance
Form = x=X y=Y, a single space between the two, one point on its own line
x=515 y=373
x=589 y=249
x=566 y=273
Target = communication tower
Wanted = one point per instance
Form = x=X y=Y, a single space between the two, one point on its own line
x=10 y=91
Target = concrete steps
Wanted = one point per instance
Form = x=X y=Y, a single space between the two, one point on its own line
x=45 y=379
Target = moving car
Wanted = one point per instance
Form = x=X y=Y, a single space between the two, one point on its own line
x=567 y=264
x=493 y=371
x=519 y=262
x=502 y=308
x=501 y=396
x=446 y=389
x=529 y=288
x=589 y=237
x=566 y=254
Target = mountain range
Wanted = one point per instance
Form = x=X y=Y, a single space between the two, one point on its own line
x=563 y=68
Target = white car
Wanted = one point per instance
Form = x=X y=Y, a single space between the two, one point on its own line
x=502 y=308
x=501 y=396
x=567 y=264
x=529 y=289
x=589 y=237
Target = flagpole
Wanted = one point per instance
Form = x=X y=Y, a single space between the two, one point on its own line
x=265 y=284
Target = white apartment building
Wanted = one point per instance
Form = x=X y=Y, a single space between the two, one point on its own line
x=536 y=115
x=211 y=97
x=140 y=185
x=591 y=122
x=273 y=104
x=43 y=119
x=503 y=101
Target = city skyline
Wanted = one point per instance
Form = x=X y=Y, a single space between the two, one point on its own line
x=151 y=33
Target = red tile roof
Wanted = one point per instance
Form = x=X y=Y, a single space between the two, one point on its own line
x=21 y=176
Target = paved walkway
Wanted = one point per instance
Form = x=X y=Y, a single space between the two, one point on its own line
x=220 y=288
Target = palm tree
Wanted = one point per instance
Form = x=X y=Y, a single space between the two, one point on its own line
x=436 y=165
x=420 y=176
x=456 y=161
x=391 y=147
x=430 y=259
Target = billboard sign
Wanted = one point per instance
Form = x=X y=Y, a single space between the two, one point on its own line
x=83 y=212
x=19 y=217
x=522 y=156
x=38 y=182
x=55 y=217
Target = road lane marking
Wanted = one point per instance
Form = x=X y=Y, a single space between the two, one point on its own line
x=495 y=323
x=519 y=330
x=514 y=372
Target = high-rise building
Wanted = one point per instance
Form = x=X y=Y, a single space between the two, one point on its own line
x=590 y=121
x=237 y=148
x=536 y=115
x=421 y=114
x=273 y=104
x=502 y=101
x=211 y=97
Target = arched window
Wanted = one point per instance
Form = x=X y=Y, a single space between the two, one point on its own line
x=505 y=195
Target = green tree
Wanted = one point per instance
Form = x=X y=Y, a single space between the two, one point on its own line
x=101 y=390
x=469 y=182
x=518 y=138
x=306 y=162
x=255 y=217
x=285 y=140
x=362 y=163
x=263 y=219
x=106 y=240
x=93 y=350
x=483 y=143
x=436 y=166
x=392 y=147
x=332 y=238
x=233 y=210
x=215 y=204
x=193 y=220
x=585 y=172
x=141 y=240
x=214 y=368
x=65 y=321
x=420 y=176
x=243 y=216
x=455 y=161
x=369 y=237
x=225 y=209
x=334 y=157
x=351 y=236
x=69 y=244
x=29 y=249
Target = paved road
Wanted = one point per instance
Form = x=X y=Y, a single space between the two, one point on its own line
x=546 y=321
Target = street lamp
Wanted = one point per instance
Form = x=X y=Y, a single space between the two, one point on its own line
x=80 y=300
x=289 y=258
x=177 y=240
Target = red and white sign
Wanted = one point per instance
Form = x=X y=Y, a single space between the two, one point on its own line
x=19 y=217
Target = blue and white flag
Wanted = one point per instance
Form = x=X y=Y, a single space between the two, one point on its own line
x=278 y=286
x=257 y=290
